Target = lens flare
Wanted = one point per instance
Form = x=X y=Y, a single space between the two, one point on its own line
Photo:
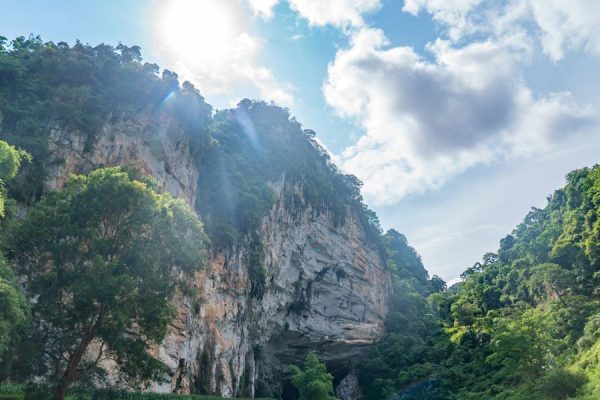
x=195 y=32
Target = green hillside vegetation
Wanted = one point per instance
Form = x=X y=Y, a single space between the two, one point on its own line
x=17 y=392
x=14 y=309
x=523 y=324
x=312 y=380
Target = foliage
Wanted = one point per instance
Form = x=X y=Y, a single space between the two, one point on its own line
x=313 y=381
x=102 y=258
x=403 y=361
x=10 y=162
x=48 y=86
x=561 y=384
x=14 y=310
x=523 y=323
x=531 y=307
x=251 y=147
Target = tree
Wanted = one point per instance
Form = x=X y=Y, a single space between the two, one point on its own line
x=561 y=384
x=523 y=346
x=10 y=162
x=550 y=280
x=102 y=258
x=3 y=40
x=13 y=306
x=405 y=259
x=437 y=284
x=313 y=381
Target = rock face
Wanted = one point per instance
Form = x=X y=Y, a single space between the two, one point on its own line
x=348 y=388
x=153 y=142
x=324 y=287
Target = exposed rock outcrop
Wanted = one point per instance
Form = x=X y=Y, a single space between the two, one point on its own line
x=324 y=286
x=348 y=388
x=154 y=142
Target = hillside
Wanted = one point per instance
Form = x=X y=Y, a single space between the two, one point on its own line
x=296 y=261
x=523 y=324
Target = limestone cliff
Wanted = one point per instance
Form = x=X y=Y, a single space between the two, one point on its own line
x=325 y=286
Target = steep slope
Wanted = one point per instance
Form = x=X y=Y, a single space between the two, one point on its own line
x=523 y=324
x=525 y=316
x=296 y=260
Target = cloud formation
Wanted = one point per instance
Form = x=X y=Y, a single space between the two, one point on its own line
x=263 y=8
x=427 y=121
x=560 y=26
x=210 y=44
x=340 y=13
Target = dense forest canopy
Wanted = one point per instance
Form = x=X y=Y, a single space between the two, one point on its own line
x=523 y=323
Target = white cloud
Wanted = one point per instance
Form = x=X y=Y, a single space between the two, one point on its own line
x=210 y=44
x=560 y=26
x=263 y=8
x=454 y=227
x=340 y=13
x=456 y=14
x=568 y=25
x=270 y=89
x=426 y=122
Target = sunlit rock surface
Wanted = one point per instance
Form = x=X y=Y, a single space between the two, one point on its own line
x=325 y=286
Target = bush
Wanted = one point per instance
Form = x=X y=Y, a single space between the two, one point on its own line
x=561 y=384
x=123 y=395
x=37 y=392
x=9 y=388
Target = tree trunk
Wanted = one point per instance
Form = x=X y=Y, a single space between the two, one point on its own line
x=60 y=392
x=71 y=371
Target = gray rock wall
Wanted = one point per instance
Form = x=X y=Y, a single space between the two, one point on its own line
x=325 y=287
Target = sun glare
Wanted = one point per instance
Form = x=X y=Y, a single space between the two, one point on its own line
x=196 y=31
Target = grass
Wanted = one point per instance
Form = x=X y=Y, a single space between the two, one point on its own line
x=139 y=396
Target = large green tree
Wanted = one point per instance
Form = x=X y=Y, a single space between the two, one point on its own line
x=103 y=257
x=13 y=307
x=313 y=381
x=10 y=161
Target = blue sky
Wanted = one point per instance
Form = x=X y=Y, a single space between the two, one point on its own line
x=458 y=115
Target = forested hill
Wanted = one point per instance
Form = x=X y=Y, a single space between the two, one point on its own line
x=523 y=324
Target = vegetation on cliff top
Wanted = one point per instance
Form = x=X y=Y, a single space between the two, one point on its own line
x=46 y=86
x=13 y=305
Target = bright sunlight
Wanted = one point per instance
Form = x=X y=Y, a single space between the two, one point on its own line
x=196 y=32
